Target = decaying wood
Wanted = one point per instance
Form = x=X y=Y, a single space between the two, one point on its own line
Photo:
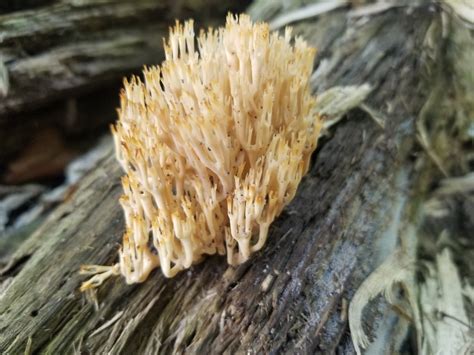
x=293 y=296
x=51 y=51
x=55 y=51
x=71 y=48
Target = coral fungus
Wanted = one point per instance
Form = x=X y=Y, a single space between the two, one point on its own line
x=214 y=143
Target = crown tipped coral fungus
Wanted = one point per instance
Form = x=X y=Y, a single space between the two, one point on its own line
x=214 y=143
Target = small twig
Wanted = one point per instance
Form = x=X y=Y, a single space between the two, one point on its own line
x=422 y=138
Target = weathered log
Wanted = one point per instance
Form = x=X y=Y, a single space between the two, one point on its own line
x=66 y=49
x=55 y=51
x=50 y=51
x=291 y=297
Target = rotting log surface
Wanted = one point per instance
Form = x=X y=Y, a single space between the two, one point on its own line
x=290 y=298
x=59 y=50
x=51 y=51
x=58 y=56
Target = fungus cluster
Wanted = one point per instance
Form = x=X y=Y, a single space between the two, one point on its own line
x=214 y=143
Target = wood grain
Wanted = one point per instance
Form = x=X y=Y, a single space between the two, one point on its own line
x=290 y=298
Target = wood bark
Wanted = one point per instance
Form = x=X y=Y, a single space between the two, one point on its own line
x=292 y=297
x=56 y=51
x=78 y=52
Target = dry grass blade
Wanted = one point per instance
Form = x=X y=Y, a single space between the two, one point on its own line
x=445 y=323
x=424 y=141
x=107 y=324
x=461 y=184
x=334 y=103
x=463 y=9
x=306 y=12
x=375 y=8
x=397 y=268
x=29 y=344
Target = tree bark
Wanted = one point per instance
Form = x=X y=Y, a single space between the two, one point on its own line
x=59 y=50
x=292 y=297
x=69 y=49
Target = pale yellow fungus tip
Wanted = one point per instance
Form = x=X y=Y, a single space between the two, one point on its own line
x=214 y=143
